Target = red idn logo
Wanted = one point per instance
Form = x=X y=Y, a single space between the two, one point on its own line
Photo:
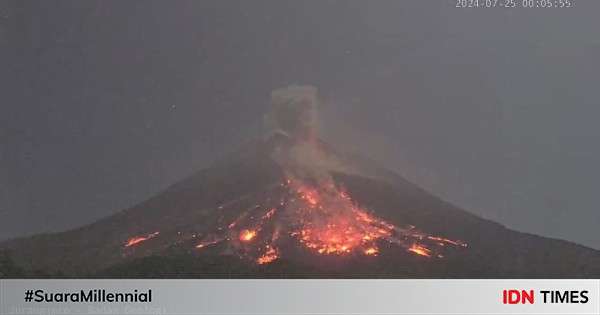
x=516 y=297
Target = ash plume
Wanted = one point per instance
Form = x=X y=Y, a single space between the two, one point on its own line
x=294 y=113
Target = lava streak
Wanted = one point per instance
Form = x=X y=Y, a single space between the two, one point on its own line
x=442 y=241
x=420 y=250
x=209 y=242
x=269 y=214
x=138 y=239
x=324 y=219
x=270 y=255
x=330 y=223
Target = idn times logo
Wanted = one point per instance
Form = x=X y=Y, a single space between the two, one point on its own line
x=514 y=296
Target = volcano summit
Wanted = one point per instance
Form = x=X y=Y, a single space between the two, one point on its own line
x=290 y=205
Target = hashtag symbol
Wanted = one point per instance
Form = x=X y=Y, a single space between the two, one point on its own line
x=28 y=295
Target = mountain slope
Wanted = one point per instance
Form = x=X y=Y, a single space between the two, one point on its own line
x=190 y=210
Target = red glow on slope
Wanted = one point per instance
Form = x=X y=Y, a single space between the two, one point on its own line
x=420 y=250
x=138 y=239
x=247 y=235
x=325 y=220
x=269 y=256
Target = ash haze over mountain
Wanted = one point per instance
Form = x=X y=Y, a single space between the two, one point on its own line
x=105 y=103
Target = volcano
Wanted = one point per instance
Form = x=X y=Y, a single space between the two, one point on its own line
x=291 y=205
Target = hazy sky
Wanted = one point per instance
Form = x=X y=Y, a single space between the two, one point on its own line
x=105 y=103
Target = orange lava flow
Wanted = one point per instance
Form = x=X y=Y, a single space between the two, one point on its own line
x=269 y=214
x=442 y=240
x=371 y=251
x=323 y=219
x=247 y=235
x=138 y=239
x=269 y=256
x=420 y=250
x=310 y=195
x=340 y=235
x=332 y=224
x=207 y=243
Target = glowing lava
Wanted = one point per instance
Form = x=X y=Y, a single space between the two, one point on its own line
x=442 y=241
x=330 y=223
x=310 y=195
x=269 y=256
x=208 y=242
x=420 y=250
x=269 y=214
x=371 y=251
x=247 y=235
x=138 y=239
x=324 y=219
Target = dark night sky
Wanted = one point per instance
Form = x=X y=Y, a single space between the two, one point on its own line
x=105 y=103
